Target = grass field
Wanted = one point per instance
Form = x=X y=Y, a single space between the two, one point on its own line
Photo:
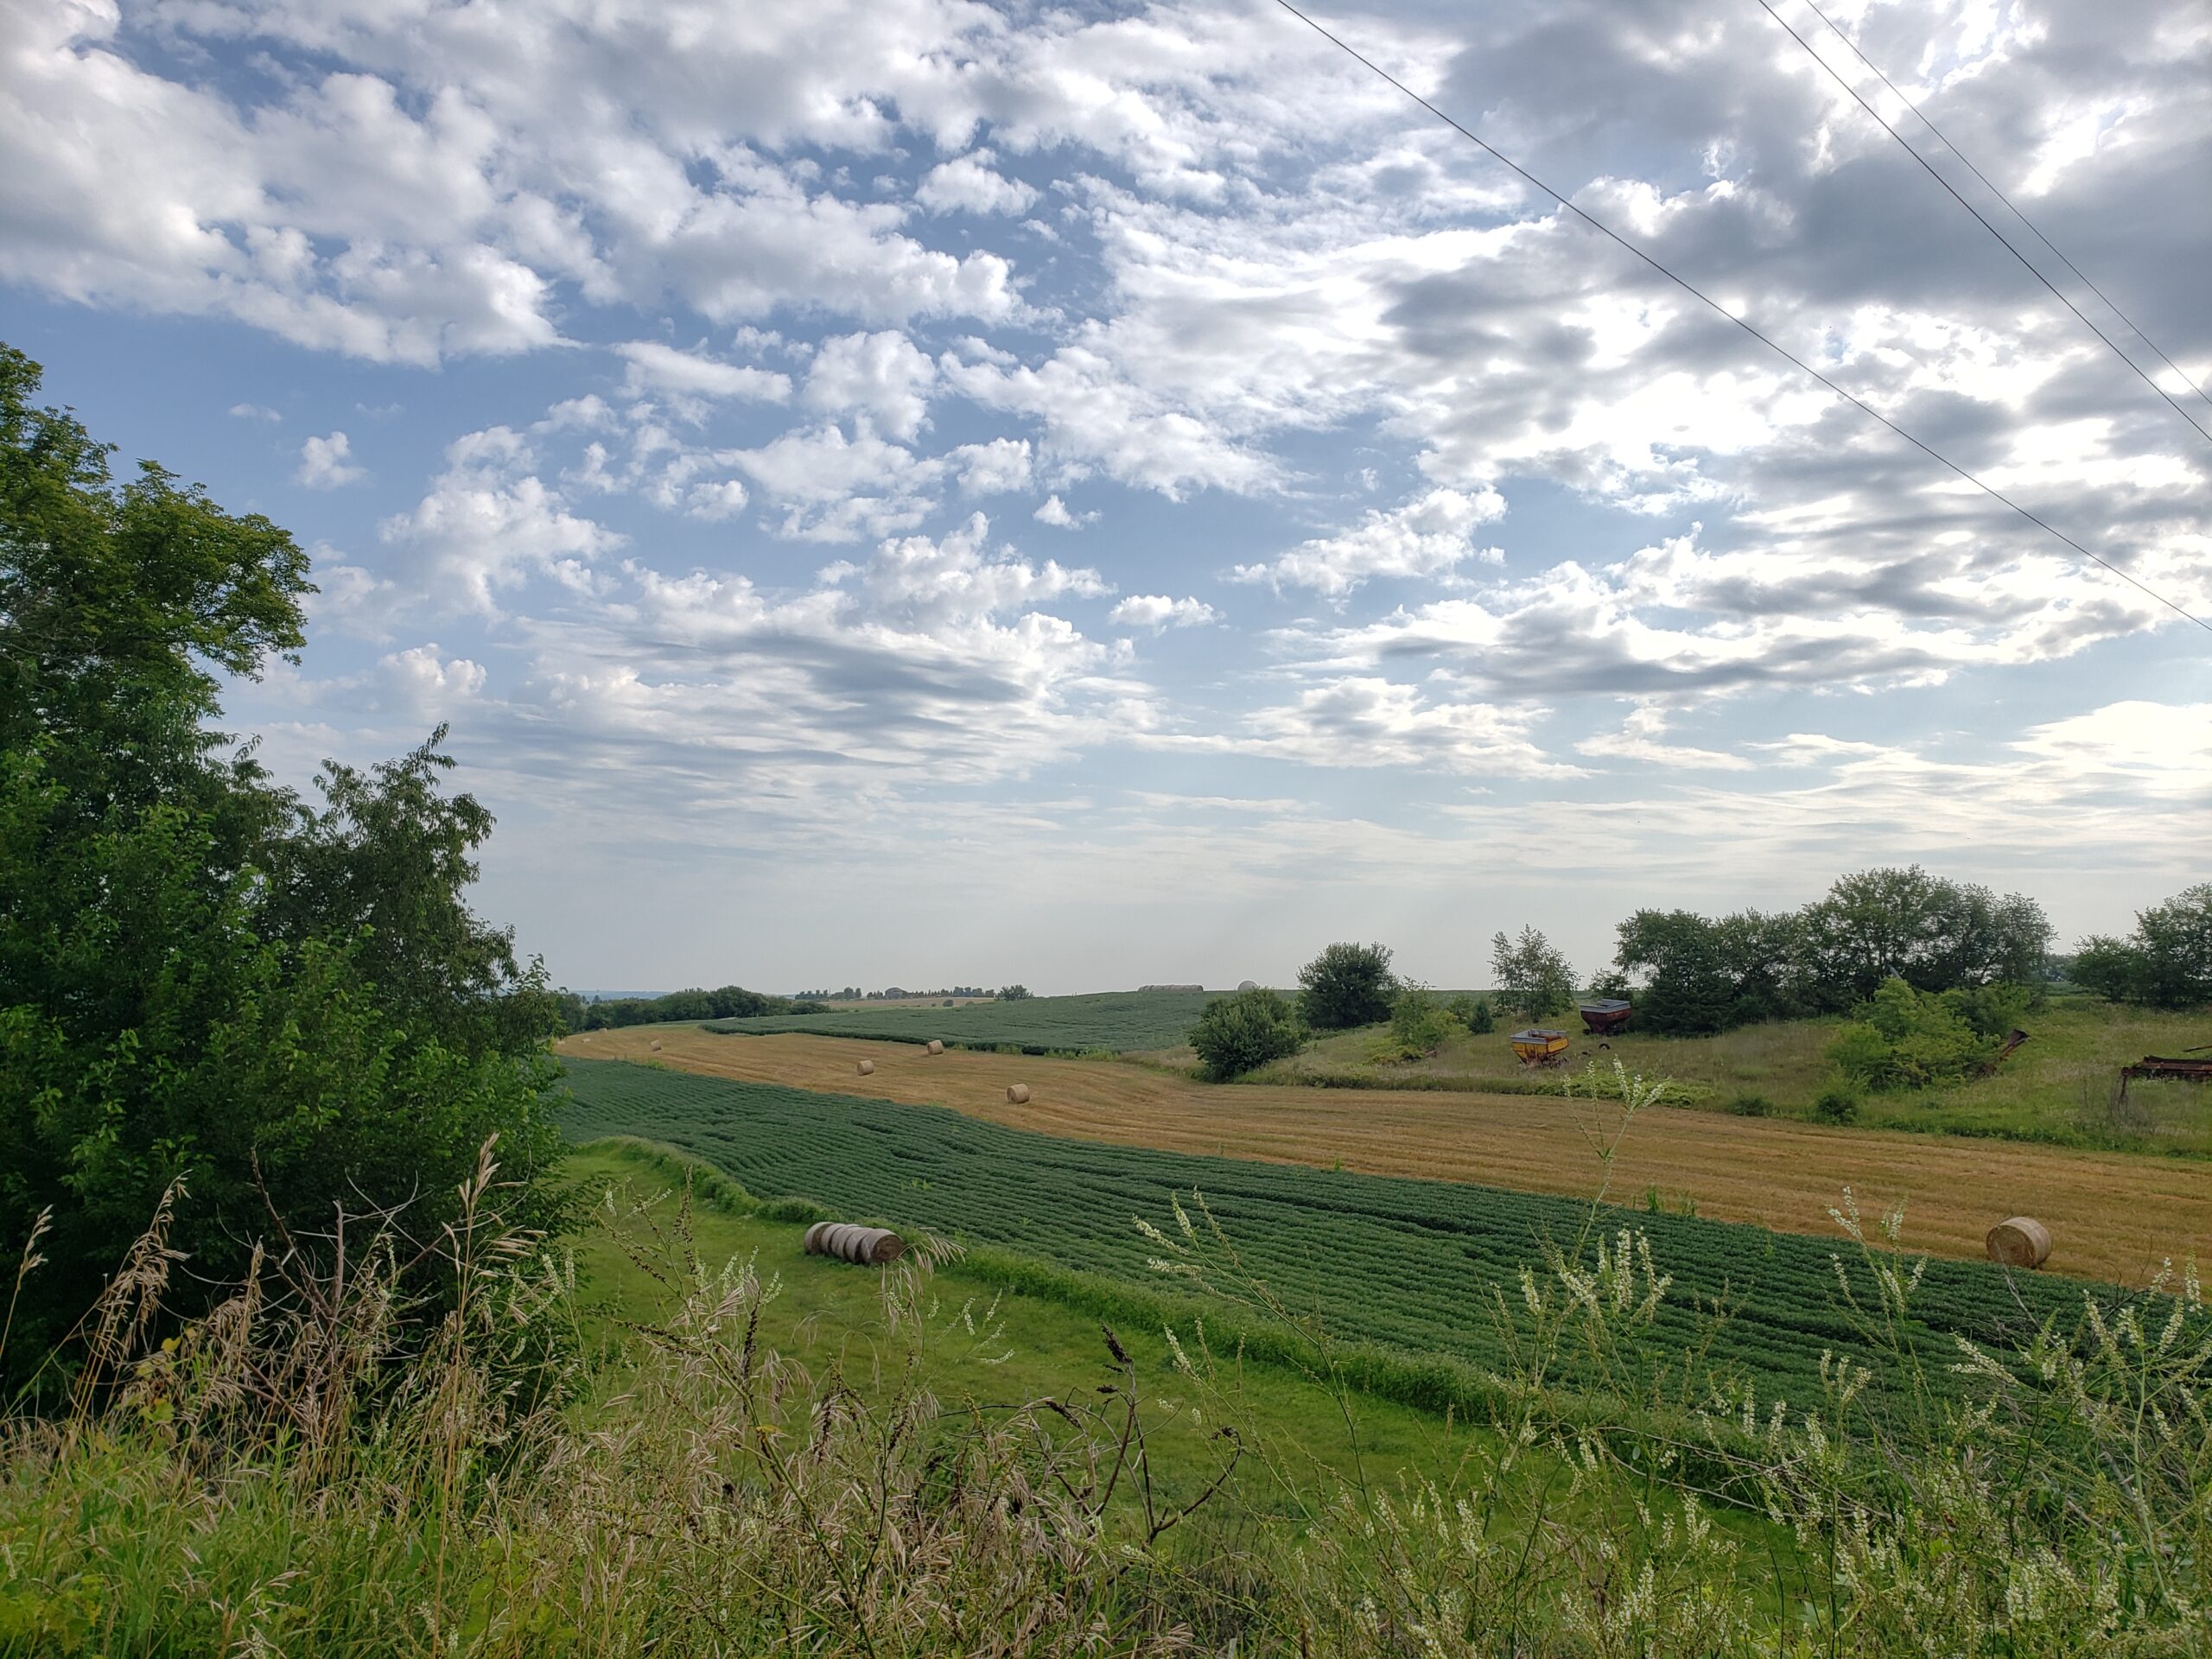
x=994 y=1344
x=1410 y=1266
x=2058 y=1088
x=1110 y=1021
x=2114 y=1217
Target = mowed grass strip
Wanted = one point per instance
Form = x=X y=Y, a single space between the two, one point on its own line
x=1405 y=1265
x=2114 y=1217
x=1117 y=1022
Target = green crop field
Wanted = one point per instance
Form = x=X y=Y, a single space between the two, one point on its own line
x=1401 y=1264
x=1120 y=1021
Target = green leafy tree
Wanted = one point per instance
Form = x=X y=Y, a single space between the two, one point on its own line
x=1702 y=974
x=1015 y=994
x=1346 y=985
x=1533 y=980
x=1233 y=1034
x=1934 y=933
x=202 y=979
x=2165 y=964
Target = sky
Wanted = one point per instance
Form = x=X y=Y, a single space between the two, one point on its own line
x=921 y=492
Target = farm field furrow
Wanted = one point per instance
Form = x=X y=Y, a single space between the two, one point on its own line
x=2113 y=1216
x=1407 y=1264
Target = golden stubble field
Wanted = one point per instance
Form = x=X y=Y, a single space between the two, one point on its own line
x=2111 y=1216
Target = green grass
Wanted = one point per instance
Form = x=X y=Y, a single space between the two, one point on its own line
x=1110 y=1021
x=2057 y=1088
x=999 y=1344
x=1406 y=1270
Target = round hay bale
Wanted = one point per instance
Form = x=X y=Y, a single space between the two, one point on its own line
x=935 y=1047
x=845 y=1241
x=656 y=1045
x=1017 y=1094
x=866 y=1068
x=1247 y=984
x=2022 y=1241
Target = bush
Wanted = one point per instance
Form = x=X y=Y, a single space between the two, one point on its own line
x=1236 y=1033
x=1997 y=1010
x=1474 y=1013
x=1752 y=1105
x=1418 y=1027
x=1015 y=994
x=1913 y=1039
x=1837 y=1104
x=1346 y=985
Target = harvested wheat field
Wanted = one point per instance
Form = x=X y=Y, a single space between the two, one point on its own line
x=2111 y=1217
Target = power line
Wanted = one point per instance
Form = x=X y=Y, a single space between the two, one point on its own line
x=2011 y=205
x=2026 y=263
x=1783 y=352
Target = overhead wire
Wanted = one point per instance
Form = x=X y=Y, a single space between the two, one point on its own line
x=1778 y=349
x=2026 y=263
x=2012 y=206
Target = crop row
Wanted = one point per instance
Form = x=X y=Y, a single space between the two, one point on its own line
x=1408 y=1264
x=1119 y=1021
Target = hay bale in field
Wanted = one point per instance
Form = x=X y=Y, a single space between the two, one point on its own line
x=866 y=1068
x=935 y=1047
x=1017 y=1094
x=656 y=1045
x=2022 y=1241
x=1247 y=984
x=869 y=1246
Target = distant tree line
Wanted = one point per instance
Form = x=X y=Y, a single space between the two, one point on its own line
x=729 y=1003
x=1935 y=972
x=896 y=993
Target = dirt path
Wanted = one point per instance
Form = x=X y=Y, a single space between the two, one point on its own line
x=2111 y=1216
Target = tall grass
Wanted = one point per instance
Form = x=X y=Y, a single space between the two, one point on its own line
x=333 y=1464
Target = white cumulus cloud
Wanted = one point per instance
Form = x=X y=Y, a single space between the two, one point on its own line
x=326 y=463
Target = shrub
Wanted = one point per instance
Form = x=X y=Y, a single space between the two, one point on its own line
x=1997 y=1010
x=1752 y=1105
x=1474 y=1013
x=1346 y=985
x=1418 y=1027
x=1837 y=1104
x=1905 y=1038
x=1015 y=994
x=1236 y=1033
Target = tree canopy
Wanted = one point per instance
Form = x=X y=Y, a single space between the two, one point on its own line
x=1533 y=981
x=2166 y=963
x=204 y=980
x=1346 y=985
